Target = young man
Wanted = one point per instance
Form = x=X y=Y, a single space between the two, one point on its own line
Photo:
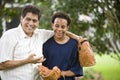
x=21 y=47
x=61 y=50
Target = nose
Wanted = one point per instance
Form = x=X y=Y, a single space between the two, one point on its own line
x=31 y=22
x=59 y=28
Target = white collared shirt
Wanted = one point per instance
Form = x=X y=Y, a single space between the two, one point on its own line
x=16 y=45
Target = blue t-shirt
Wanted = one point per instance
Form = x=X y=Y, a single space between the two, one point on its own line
x=64 y=56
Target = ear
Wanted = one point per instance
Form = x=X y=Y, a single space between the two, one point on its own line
x=52 y=25
x=67 y=27
x=21 y=18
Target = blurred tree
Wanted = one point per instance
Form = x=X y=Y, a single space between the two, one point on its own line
x=103 y=31
x=98 y=20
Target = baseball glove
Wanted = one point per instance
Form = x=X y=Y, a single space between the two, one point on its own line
x=86 y=55
x=49 y=74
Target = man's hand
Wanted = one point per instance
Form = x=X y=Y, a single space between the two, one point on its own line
x=33 y=59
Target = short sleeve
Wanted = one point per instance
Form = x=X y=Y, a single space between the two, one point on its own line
x=6 y=47
x=75 y=65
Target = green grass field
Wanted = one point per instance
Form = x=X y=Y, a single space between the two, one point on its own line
x=108 y=67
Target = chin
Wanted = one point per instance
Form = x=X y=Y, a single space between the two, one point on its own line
x=59 y=37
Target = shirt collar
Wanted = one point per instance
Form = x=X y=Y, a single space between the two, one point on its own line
x=23 y=35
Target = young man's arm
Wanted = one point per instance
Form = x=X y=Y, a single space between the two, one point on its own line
x=67 y=73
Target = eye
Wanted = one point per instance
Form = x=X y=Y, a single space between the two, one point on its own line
x=28 y=19
x=34 y=20
x=63 y=27
x=56 y=25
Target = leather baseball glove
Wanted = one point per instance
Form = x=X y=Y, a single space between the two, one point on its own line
x=49 y=74
x=86 y=55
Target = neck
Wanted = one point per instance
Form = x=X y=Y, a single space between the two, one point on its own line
x=29 y=35
x=61 y=40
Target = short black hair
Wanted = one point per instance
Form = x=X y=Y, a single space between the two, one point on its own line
x=61 y=15
x=31 y=8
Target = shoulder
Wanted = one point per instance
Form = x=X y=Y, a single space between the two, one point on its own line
x=73 y=41
x=49 y=40
x=10 y=32
x=9 y=37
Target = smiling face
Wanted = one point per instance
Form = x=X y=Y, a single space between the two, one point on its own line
x=29 y=23
x=60 y=27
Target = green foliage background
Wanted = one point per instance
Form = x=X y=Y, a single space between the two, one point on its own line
x=103 y=32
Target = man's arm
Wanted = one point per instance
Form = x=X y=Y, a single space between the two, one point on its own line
x=46 y=34
x=16 y=63
x=49 y=33
x=1 y=66
x=12 y=64
x=72 y=35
